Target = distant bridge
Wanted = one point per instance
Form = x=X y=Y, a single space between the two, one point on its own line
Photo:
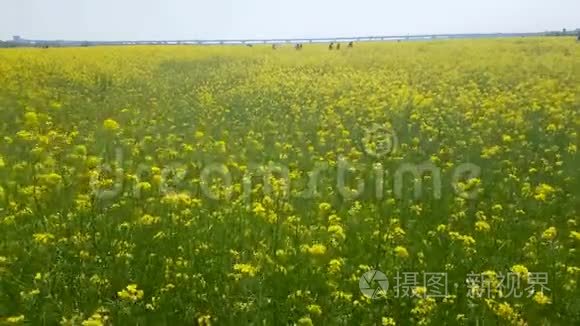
x=25 y=42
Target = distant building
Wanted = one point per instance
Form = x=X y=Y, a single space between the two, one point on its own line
x=16 y=38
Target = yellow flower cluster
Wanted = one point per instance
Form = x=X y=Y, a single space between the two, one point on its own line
x=131 y=293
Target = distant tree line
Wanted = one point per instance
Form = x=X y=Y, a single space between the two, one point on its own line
x=9 y=44
x=563 y=32
x=44 y=45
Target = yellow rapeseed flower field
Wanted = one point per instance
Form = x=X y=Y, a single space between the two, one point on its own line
x=427 y=183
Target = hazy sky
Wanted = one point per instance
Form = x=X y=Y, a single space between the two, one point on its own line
x=207 y=19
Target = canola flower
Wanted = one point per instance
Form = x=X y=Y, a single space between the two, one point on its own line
x=521 y=271
x=482 y=226
x=110 y=124
x=246 y=269
x=401 y=252
x=315 y=249
x=305 y=321
x=543 y=192
x=131 y=293
x=550 y=234
x=541 y=299
x=14 y=319
x=99 y=318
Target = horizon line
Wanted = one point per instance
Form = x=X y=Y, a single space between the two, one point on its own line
x=17 y=38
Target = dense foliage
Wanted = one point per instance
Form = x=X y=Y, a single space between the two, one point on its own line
x=131 y=183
